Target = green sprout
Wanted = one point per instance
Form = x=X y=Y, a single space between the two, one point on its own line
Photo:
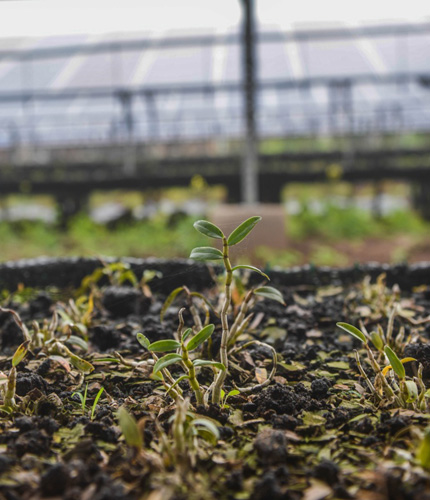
x=224 y=397
x=8 y=383
x=189 y=340
x=180 y=447
x=229 y=336
x=83 y=398
x=183 y=347
x=403 y=391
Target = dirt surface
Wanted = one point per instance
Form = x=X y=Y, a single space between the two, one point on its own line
x=314 y=432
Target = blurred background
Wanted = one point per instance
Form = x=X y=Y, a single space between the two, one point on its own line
x=122 y=122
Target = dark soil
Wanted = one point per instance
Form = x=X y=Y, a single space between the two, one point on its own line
x=312 y=433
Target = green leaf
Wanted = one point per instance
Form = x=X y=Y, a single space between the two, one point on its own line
x=268 y=292
x=208 y=426
x=20 y=353
x=252 y=268
x=206 y=253
x=75 y=340
x=352 y=330
x=169 y=300
x=186 y=334
x=164 y=345
x=242 y=230
x=423 y=453
x=81 y=364
x=143 y=341
x=412 y=391
x=377 y=341
x=200 y=337
x=208 y=229
x=205 y=362
x=395 y=362
x=130 y=429
x=180 y=379
x=165 y=361
x=96 y=400
x=233 y=392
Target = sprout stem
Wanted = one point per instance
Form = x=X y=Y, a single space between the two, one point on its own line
x=216 y=394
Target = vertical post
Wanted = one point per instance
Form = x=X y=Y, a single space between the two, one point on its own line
x=129 y=150
x=249 y=172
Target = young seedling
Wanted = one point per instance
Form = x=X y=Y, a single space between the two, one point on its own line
x=183 y=348
x=8 y=383
x=407 y=393
x=83 y=398
x=214 y=254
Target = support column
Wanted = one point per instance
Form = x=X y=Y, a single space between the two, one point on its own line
x=250 y=154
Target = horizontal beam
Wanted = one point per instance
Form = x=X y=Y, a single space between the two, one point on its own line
x=213 y=40
x=275 y=84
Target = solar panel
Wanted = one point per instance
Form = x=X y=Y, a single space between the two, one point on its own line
x=306 y=85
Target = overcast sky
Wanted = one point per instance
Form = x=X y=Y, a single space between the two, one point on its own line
x=54 y=17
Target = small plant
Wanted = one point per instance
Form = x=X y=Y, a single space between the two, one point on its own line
x=184 y=346
x=8 y=382
x=83 y=398
x=190 y=339
x=229 y=336
x=179 y=448
x=54 y=343
x=390 y=381
x=224 y=397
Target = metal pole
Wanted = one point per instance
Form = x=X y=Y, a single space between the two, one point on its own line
x=250 y=188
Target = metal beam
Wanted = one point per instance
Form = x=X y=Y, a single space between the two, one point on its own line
x=211 y=40
x=278 y=84
x=250 y=190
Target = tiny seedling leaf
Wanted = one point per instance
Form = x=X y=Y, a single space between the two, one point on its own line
x=423 y=453
x=377 y=341
x=186 y=334
x=268 y=292
x=96 y=400
x=180 y=379
x=395 y=362
x=208 y=426
x=206 y=362
x=143 y=341
x=403 y=361
x=252 y=268
x=200 y=337
x=208 y=229
x=164 y=345
x=130 y=429
x=412 y=391
x=81 y=364
x=20 y=353
x=171 y=297
x=206 y=253
x=75 y=340
x=352 y=330
x=165 y=361
x=242 y=230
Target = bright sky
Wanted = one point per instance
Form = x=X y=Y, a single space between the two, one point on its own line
x=55 y=17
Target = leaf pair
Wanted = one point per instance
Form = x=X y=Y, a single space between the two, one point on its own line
x=171 y=345
x=208 y=229
x=172 y=358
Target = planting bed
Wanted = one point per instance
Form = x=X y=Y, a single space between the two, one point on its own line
x=314 y=432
